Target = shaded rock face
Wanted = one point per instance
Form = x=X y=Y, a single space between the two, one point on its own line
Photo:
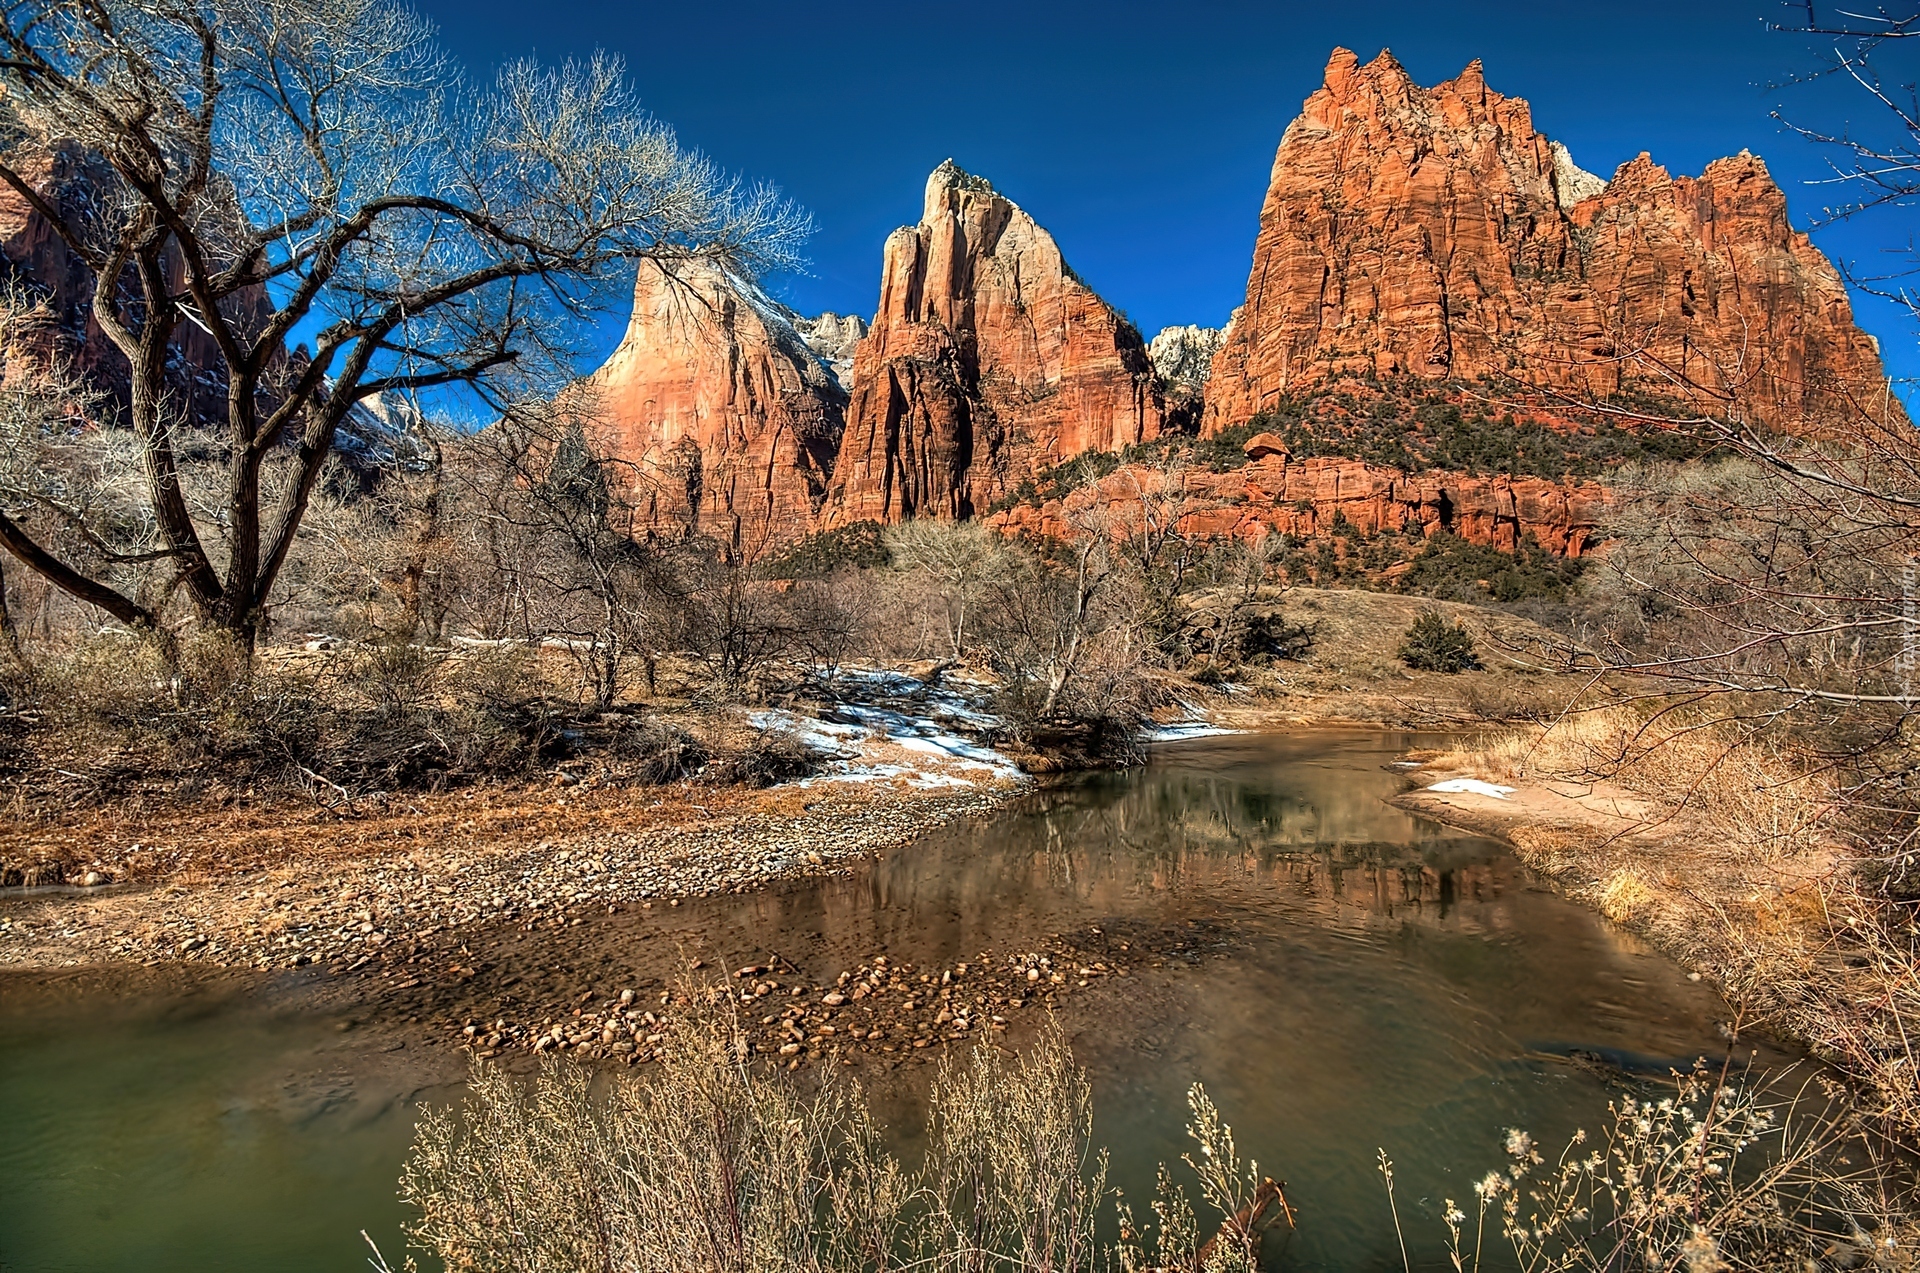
x=1307 y=498
x=1433 y=233
x=988 y=361
x=32 y=254
x=721 y=419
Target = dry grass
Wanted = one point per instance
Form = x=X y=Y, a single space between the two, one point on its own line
x=714 y=1161
x=1723 y=1175
x=1742 y=864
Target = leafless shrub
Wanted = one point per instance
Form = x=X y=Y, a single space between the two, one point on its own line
x=767 y=758
x=658 y=752
x=716 y=1162
x=1722 y=1175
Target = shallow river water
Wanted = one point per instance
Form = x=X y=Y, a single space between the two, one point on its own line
x=1343 y=977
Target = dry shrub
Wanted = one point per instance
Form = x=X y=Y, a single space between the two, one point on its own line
x=1720 y=1176
x=715 y=1161
x=656 y=752
x=1624 y=893
x=765 y=758
x=116 y=715
x=1744 y=868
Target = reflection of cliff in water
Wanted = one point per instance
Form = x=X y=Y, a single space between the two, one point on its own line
x=1231 y=831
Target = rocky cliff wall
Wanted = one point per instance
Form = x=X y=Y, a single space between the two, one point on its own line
x=722 y=420
x=1436 y=233
x=988 y=360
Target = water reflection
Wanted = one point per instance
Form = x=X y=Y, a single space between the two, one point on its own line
x=1342 y=976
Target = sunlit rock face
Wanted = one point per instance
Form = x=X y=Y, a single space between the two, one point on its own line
x=1433 y=233
x=718 y=417
x=989 y=360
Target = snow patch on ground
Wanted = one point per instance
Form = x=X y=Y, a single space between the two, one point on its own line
x=1472 y=786
x=1179 y=730
x=900 y=729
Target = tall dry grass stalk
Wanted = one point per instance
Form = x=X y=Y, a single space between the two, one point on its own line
x=715 y=1163
x=1722 y=1176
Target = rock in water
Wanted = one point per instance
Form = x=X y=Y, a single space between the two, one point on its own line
x=1433 y=233
x=989 y=360
x=723 y=419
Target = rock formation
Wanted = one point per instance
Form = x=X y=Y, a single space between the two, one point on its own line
x=833 y=337
x=1434 y=234
x=724 y=421
x=1308 y=498
x=988 y=361
x=1184 y=355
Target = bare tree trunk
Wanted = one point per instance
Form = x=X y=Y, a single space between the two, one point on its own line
x=10 y=650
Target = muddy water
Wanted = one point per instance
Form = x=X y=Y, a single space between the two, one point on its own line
x=1341 y=975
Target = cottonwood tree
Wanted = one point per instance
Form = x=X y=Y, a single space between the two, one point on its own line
x=962 y=560
x=269 y=171
x=568 y=559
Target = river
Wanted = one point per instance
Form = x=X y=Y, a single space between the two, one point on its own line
x=1343 y=976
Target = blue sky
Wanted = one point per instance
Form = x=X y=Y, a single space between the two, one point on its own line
x=1141 y=134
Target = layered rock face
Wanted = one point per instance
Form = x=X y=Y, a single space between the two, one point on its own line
x=1433 y=233
x=1307 y=498
x=988 y=361
x=724 y=421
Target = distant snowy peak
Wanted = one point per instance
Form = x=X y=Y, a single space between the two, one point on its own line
x=832 y=338
x=1572 y=182
x=1184 y=355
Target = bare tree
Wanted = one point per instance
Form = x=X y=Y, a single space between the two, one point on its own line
x=568 y=559
x=277 y=168
x=1873 y=164
x=961 y=559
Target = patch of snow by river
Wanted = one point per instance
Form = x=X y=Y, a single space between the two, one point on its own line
x=900 y=728
x=1472 y=786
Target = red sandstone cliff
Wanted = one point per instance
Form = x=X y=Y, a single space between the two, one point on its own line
x=988 y=360
x=725 y=423
x=1306 y=497
x=33 y=254
x=1435 y=233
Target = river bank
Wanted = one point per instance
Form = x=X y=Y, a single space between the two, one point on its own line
x=1340 y=974
x=1735 y=875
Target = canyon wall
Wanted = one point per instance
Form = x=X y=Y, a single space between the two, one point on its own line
x=1435 y=234
x=1306 y=498
x=988 y=360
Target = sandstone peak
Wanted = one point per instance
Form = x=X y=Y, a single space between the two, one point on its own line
x=726 y=422
x=1434 y=233
x=988 y=360
x=950 y=178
